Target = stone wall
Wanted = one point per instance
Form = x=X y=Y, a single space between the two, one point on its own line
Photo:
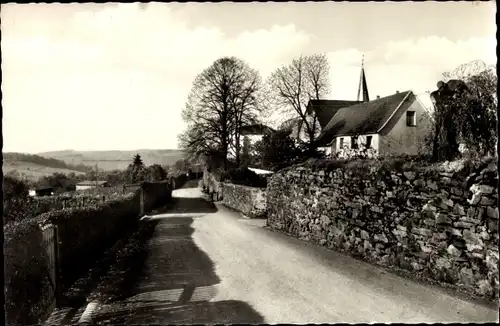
x=440 y=223
x=251 y=201
x=212 y=186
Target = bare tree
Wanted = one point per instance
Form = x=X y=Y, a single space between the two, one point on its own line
x=221 y=101
x=245 y=103
x=292 y=87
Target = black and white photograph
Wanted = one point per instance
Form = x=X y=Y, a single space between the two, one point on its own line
x=202 y=163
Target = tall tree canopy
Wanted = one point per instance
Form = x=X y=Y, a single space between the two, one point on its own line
x=291 y=87
x=136 y=171
x=138 y=160
x=276 y=150
x=465 y=112
x=222 y=100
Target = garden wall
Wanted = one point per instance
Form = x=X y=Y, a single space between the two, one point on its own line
x=155 y=194
x=79 y=199
x=28 y=294
x=438 y=222
x=251 y=201
x=83 y=234
x=211 y=185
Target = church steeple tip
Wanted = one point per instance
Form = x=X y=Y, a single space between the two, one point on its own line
x=363 y=88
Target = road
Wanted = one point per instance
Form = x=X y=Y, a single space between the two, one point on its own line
x=207 y=265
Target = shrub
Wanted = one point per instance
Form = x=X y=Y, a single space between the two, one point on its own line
x=17 y=204
x=367 y=165
x=155 y=194
x=26 y=275
x=84 y=233
x=245 y=177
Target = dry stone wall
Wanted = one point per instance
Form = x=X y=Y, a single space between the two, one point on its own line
x=435 y=222
x=212 y=186
x=250 y=201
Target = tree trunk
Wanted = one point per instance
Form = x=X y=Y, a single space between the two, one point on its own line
x=435 y=143
x=238 y=149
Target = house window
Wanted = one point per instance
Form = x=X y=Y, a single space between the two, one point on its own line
x=411 y=118
x=354 y=142
x=368 y=141
x=341 y=143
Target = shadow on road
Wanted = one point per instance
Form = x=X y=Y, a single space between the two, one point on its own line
x=191 y=184
x=193 y=205
x=175 y=279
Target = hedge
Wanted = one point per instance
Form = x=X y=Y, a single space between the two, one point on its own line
x=245 y=177
x=27 y=282
x=84 y=233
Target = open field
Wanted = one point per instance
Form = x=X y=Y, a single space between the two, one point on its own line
x=111 y=160
x=32 y=171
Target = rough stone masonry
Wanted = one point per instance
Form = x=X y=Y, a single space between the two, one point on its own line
x=432 y=221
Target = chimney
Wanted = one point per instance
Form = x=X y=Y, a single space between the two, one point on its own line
x=397 y=92
x=378 y=97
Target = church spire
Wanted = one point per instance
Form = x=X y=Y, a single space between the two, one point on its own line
x=363 y=89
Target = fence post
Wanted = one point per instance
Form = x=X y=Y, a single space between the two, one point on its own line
x=141 y=194
x=56 y=263
x=50 y=239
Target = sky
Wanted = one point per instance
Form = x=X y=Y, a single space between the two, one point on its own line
x=117 y=76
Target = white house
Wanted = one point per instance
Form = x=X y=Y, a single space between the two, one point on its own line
x=395 y=124
x=90 y=184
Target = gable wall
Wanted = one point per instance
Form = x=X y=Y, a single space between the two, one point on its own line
x=398 y=138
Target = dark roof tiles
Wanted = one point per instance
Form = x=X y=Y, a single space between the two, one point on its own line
x=362 y=118
x=326 y=109
x=256 y=129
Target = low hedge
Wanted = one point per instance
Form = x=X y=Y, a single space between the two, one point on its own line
x=156 y=193
x=27 y=281
x=244 y=177
x=83 y=234
x=86 y=232
x=180 y=180
x=393 y=164
x=111 y=193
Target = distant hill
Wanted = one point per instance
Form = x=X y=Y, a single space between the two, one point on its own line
x=115 y=159
x=33 y=167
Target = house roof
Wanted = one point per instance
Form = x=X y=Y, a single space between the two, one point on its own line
x=91 y=183
x=256 y=129
x=362 y=118
x=291 y=123
x=326 y=109
x=43 y=189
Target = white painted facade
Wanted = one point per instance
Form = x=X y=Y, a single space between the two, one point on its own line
x=260 y=171
x=253 y=138
x=342 y=145
x=84 y=187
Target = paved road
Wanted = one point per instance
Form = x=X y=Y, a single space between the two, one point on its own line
x=208 y=265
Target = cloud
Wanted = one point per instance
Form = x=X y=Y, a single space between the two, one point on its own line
x=404 y=65
x=118 y=77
